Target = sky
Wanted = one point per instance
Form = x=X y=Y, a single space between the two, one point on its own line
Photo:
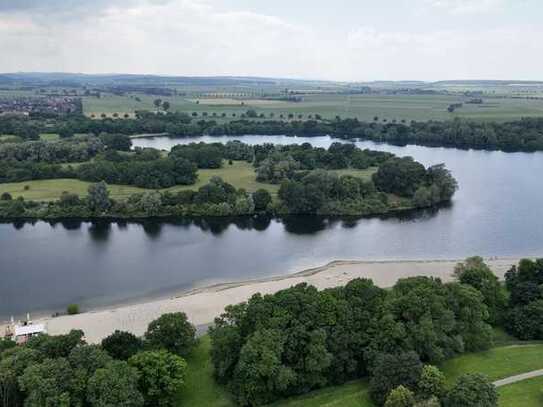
x=345 y=40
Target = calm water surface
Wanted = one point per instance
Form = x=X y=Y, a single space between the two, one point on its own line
x=43 y=267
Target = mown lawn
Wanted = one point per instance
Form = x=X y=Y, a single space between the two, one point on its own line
x=528 y=393
x=201 y=389
x=240 y=174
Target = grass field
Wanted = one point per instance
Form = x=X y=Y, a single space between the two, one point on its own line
x=497 y=363
x=528 y=393
x=365 y=107
x=240 y=174
x=201 y=389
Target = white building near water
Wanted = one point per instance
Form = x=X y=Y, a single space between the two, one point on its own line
x=21 y=332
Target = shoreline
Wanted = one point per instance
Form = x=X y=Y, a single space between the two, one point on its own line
x=203 y=304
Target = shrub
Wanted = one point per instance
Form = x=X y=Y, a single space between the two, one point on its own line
x=400 y=397
x=72 y=309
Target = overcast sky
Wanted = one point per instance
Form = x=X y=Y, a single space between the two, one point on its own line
x=315 y=39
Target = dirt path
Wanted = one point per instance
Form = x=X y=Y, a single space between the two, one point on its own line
x=518 y=378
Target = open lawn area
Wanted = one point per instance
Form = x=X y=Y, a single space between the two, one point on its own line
x=240 y=174
x=496 y=363
x=528 y=393
x=201 y=389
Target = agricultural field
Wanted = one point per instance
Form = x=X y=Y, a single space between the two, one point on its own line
x=497 y=363
x=364 y=107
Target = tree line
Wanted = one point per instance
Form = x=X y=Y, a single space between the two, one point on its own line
x=519 y=135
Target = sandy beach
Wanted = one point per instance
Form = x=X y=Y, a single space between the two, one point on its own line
x=202 y=305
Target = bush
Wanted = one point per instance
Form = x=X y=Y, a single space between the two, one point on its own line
x=72 y=309
x=6 y=196
x=400 y=397
x=172 y=332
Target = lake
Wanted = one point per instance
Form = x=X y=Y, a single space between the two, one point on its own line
x=44 y=267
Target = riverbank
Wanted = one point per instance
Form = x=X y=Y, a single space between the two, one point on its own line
x=202 y=305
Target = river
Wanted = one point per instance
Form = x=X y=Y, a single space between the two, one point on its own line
x=44 y=267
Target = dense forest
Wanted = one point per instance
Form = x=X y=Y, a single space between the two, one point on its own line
x=306 y=176
x=521 y=135
x=124 y=370
x=300 y=339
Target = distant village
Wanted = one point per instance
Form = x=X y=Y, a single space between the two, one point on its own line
x=43 y=104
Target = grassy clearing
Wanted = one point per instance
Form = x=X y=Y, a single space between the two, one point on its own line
x=354 y=394
x=528 y=393
x=240 y=174
x=497 y=363
x=49 y=137
x=201 y=389
x=364 y=107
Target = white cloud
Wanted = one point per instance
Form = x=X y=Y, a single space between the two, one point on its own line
x=466 y=6
x=193 y=37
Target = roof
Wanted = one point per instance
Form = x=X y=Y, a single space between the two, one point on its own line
x=29 y=329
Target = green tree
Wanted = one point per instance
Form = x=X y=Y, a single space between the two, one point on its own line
x=48 y=383
x=13 y=363
x=57 y=346
x=472 y=390
x=261 y=199
x=151 y=202
x=157 y=103
x=474 y=272
x=172 y=332
x=161 y=376
x=431 y=383
x=391 y=371
x=166 y=105
x=115 y=385
x=400 y=397
x=98 y=197
x=122 y=345
x=85 y=360
x=260 y=375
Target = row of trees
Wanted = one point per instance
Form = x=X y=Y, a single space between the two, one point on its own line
x=521 y=135
x=74 y=150
x=123 y=371
x=299 y=339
